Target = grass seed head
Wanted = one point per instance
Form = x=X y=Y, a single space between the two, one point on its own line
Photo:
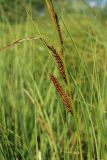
x=63 y=94
x=59 y=62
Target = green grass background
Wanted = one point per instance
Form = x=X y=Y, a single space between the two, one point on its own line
x=33 y=121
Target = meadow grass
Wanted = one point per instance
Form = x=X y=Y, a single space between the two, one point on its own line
x=34 y=124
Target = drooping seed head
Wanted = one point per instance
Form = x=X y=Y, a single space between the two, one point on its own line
x=63 y=94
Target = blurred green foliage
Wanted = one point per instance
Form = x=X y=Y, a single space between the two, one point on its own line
x=14 y=10
x=104 y=14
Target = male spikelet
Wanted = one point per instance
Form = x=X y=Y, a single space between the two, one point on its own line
x=60 y=34
x=63 y=94
x=56 y=21
x=58 y=28
x=58 y=61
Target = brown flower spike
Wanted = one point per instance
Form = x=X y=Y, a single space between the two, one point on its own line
x=59 y=62
x=62 y=93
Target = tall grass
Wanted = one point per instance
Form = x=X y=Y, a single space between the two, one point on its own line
x=34 y=124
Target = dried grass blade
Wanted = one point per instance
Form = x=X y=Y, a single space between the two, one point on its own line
x=18 y=42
